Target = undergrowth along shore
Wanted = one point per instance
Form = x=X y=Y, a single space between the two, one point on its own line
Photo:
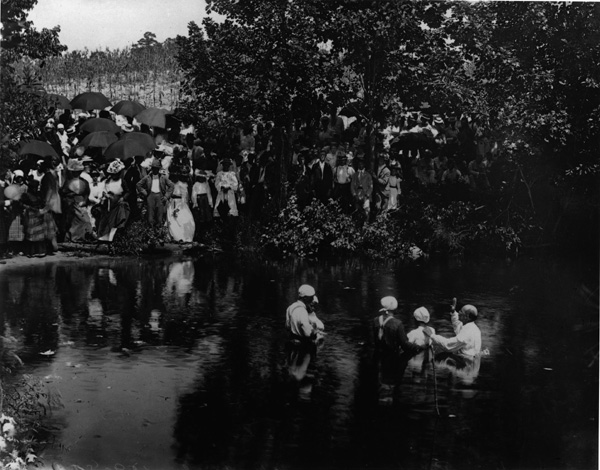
x=323 y=230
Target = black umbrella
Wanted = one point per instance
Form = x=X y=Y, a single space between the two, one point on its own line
x=39 y=148
x=144 y=139
x=90 y=100
x=128 y=108
x=58 y=101
x=100 y=124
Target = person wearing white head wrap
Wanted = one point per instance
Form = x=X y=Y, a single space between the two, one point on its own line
x=418 y=336
x=300 y=317
x=392 y=348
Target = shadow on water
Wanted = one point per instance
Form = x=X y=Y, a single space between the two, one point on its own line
x=183 y=363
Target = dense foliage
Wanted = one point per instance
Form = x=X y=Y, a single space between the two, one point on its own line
x=528 y=73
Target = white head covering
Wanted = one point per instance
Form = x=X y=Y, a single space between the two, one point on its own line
x=388 y=303
x=421 y=314
x=306 y=291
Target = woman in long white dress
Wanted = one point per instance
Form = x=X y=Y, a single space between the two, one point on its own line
x=179 y=216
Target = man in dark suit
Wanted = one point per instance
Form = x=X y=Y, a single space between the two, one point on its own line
x=322 y=178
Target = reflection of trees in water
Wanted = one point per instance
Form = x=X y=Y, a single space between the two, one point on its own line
x=36 y=311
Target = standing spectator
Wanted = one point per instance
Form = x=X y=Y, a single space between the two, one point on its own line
x=63 y=138
x=49 y=193
x=179 y=216
x=342 y=181
x=361 y=187
x=394 y=186
x=75 y=192
x=114 y=210
x=226 y=183
x=452 y=174
x=478 y=174
x=382 y=177
x=95 y=196
x=331 y=156
x=39 y=225
x=87 y=163
x=132 y=177
x=322 y=178
x=202 y=201
x=157 y=190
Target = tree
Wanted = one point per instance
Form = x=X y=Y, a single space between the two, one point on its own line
x=148 y=41
x=20 y=109
x=264 y=58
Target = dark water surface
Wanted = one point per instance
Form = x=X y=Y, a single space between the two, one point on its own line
x=181 y=363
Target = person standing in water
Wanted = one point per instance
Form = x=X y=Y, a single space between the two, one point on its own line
x=301 y=319
x=392 y=347
x=467 y=339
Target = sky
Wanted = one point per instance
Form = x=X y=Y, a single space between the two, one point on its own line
x=98 y=24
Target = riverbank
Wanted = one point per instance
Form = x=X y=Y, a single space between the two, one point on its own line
x=75 y=252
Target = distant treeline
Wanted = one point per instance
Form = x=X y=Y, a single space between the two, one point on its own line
x=148 y=74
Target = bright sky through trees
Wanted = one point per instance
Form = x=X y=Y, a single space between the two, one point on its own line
x=115 y=23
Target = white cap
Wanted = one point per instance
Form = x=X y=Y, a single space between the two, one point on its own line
x=306 y=291
x=389 y=303
x=421 y=314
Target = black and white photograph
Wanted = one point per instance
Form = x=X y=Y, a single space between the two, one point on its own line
x=299 y=234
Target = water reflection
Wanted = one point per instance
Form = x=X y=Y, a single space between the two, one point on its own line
x=189 y=356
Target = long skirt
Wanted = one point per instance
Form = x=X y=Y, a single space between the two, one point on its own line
x=39 y=227
x=180 y=221
x=112 y=220
x=16 y=233
x=79 y=225
x=203 y=213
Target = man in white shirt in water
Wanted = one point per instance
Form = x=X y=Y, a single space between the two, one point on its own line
x=467 y=341
x=301 y=320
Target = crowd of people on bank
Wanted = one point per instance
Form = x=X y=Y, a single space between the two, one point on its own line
x=190 y=179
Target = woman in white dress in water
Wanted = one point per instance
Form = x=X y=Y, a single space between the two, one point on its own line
x=179 y=216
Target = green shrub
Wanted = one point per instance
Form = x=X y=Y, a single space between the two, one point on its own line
x=138 y=237
x=318 y=229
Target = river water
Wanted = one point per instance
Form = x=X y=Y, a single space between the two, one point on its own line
x=175 y=363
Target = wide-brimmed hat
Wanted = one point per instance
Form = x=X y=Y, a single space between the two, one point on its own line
x=115 y=167
x=74 y=165
x=388 y=303
x=438 y=120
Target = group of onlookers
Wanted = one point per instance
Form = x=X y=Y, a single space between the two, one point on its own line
x=190 y=178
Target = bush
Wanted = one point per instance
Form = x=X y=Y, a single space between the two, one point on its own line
x=138 y=237
x=318 y=229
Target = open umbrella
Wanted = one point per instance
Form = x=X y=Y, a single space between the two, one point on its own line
x=153 y=117
x=125 y=149
x=128 y=108
x=100 y=124
x=99 y=139
x=58 y=101
x=143 y=139
x=39 y=148
x=90 y=100
x=353 y=109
